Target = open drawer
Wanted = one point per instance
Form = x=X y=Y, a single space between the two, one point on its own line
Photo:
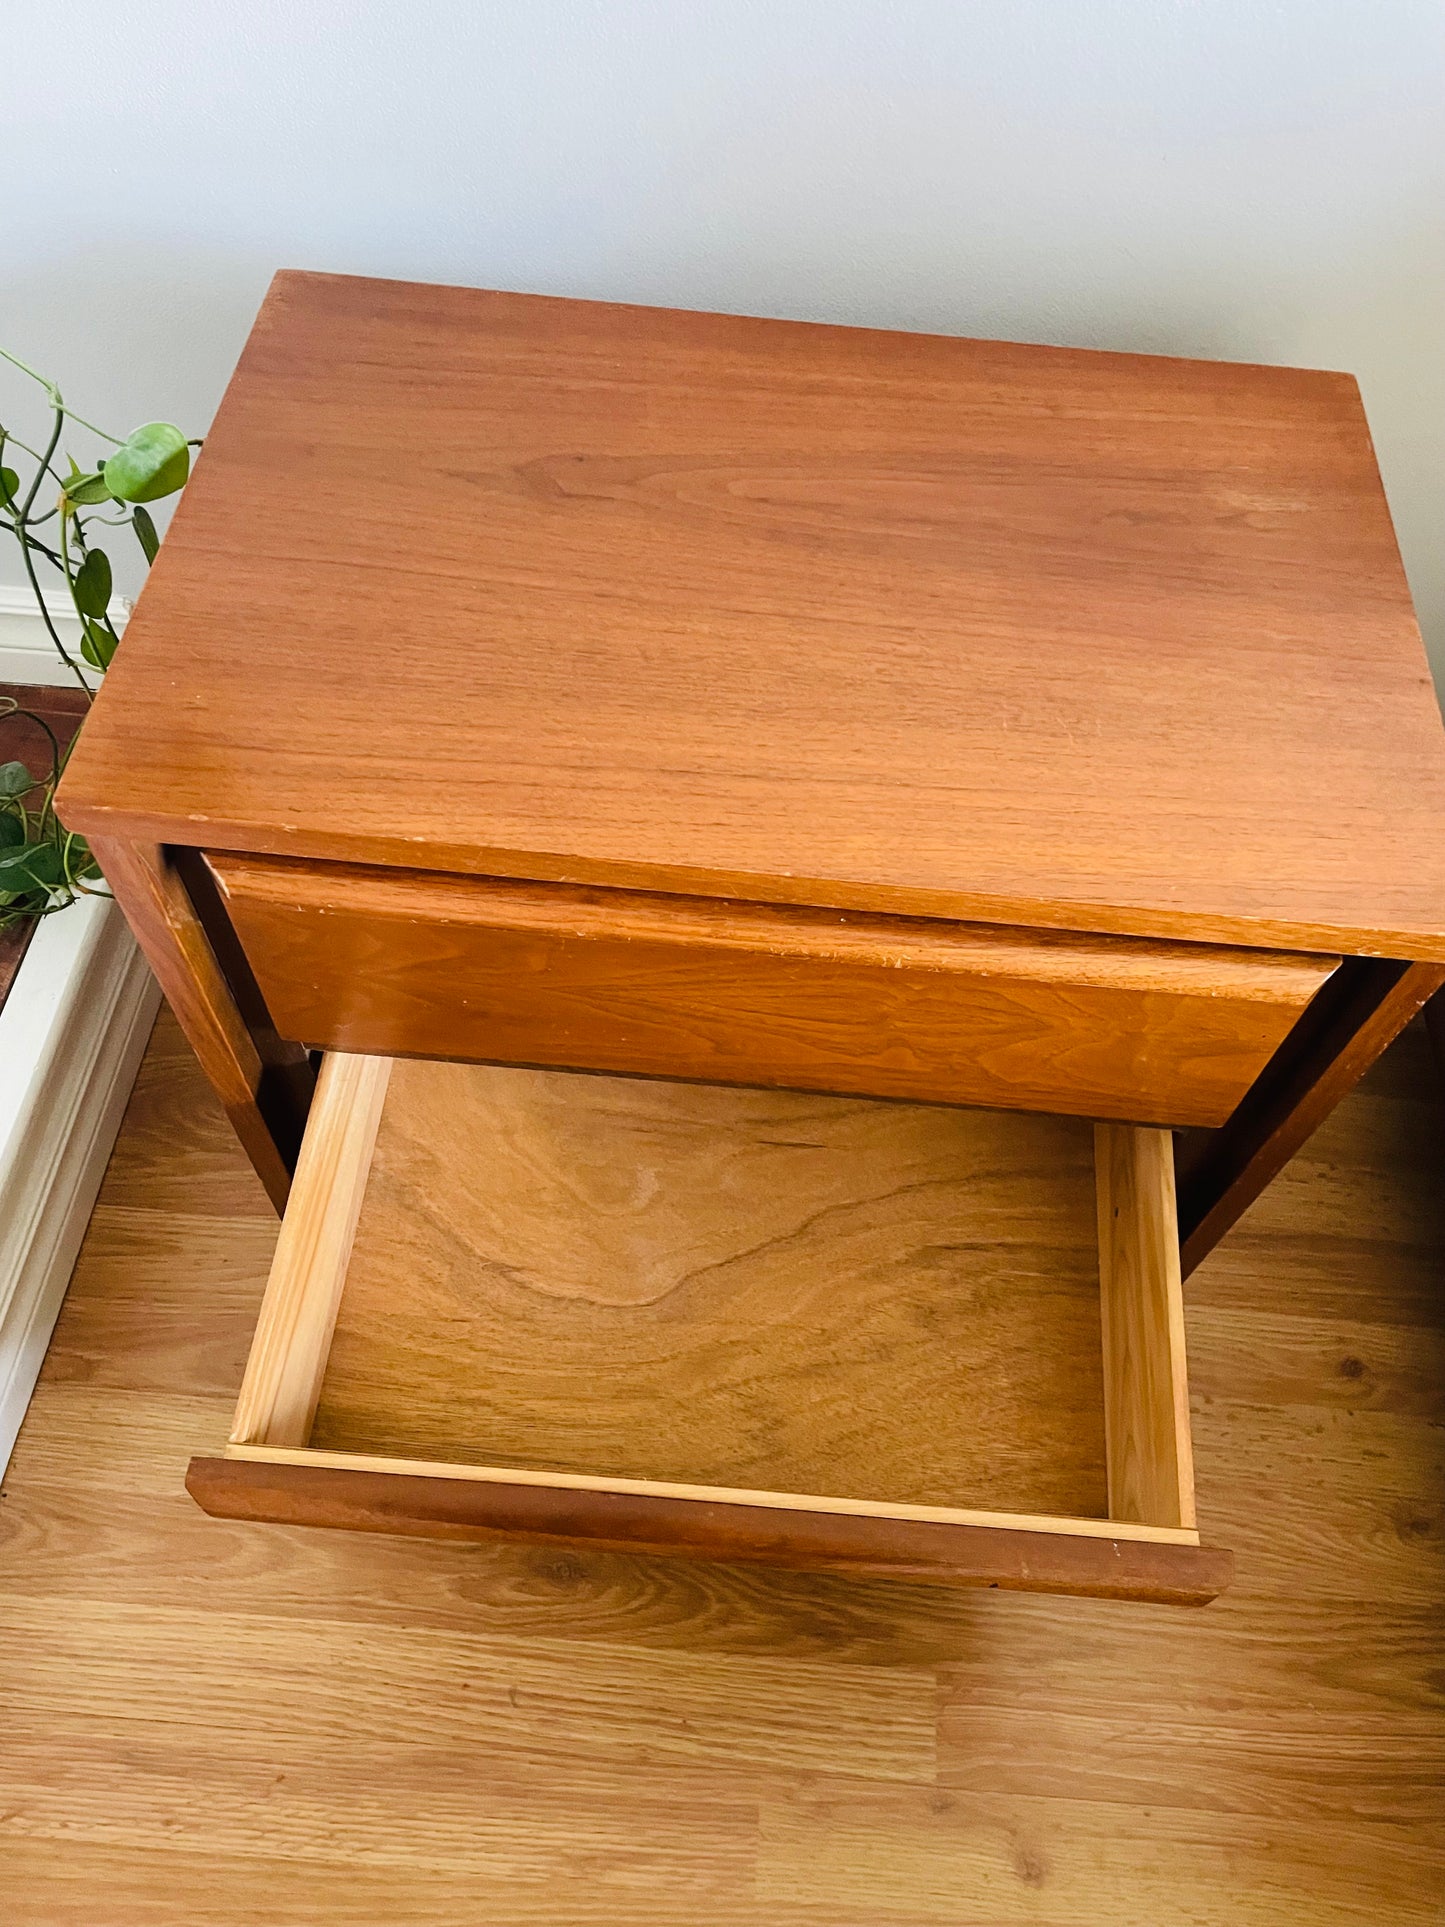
x=829 y=1333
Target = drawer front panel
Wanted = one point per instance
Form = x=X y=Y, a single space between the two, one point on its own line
x=405 y=963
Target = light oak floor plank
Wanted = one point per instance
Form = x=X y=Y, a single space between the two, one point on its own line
x=209 y=1724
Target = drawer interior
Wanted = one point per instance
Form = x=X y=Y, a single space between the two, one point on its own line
x=821 y=1331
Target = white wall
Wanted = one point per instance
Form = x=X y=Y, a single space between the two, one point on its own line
x=1257 y=179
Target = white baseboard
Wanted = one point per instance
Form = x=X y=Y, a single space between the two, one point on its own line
x=72 y=1031
x=26 y=652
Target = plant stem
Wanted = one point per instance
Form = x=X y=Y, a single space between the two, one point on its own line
x=65 y=656
x=22 y=514
x=35 y=454
x=21 y=517
x=55 y=397
x=49 y=553
x=57 y=762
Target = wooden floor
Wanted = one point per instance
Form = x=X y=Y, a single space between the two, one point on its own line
x=207 y=1724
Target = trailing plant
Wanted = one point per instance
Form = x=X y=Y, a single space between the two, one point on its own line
x=53 y=515
x=43 y=867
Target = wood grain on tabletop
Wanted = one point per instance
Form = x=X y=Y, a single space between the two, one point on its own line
x=223 y=1725
x=404 y=962
x=772 y=610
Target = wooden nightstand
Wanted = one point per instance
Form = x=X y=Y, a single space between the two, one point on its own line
x=560 y=684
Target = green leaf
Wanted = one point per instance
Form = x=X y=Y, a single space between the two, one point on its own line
x=88 y=490
x=150 y=462
x=12 y=829
x=97 y=645
x=15 y=779
x=37 y=863
x=91 y=587
x=9 y=485
x=145 y=530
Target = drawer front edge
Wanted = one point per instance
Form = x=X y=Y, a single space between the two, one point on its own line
x=405 y=963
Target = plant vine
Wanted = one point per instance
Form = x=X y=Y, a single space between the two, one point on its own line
x=43 y=866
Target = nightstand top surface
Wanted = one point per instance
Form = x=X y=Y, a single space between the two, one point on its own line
x=522 y=586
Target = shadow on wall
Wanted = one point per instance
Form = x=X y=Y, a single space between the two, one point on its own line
x=1385 y=322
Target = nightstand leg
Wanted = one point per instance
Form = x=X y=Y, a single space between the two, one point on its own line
x=1435 y=1024
x=1363 y=1008
x=263 y=1080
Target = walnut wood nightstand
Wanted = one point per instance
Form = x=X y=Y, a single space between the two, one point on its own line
x=559 y=684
